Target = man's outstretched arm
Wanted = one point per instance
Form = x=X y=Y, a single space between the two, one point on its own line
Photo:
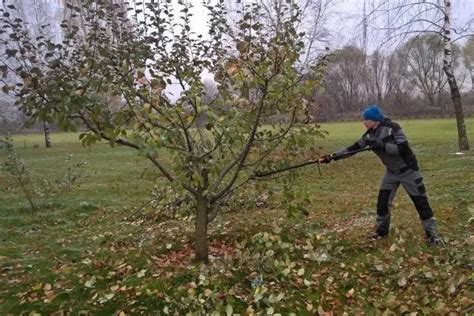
x=344 y=153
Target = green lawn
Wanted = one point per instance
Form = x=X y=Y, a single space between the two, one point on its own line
x=89 y=255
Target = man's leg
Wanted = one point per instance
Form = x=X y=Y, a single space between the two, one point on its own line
x=412 y=181
x=388 y=189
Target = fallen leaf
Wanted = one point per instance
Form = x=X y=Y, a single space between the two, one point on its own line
x=229 y=310
x=402 y=282
x=90 y=283
x=87 y=261
x=350 y=293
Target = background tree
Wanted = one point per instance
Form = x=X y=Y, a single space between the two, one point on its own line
x=399 y=97
x=344 y=80
x=254 y=69
x=468 y=55
x=412 y=17
x=421 y=59
x=383 y=78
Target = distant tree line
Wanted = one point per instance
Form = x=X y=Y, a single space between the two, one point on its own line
x=409 y=82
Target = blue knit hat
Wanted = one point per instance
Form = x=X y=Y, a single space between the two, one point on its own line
x=373 y=113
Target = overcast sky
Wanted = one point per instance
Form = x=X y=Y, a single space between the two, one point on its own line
x=347 y=24
x=344 y=23
x=345 y=18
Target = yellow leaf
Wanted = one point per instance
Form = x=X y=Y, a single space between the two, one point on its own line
x=37 y=287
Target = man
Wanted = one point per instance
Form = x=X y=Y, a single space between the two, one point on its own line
x=387 y=140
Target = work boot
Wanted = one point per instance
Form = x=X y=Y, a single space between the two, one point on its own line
x=376 y=235
x=432 y=237
x=434 y=241
x=383 y=226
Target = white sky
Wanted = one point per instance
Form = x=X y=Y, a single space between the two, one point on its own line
x=347 y=25
x=344 y=22
x=345 y=17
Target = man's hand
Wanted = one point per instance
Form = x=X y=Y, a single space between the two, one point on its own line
x=326 y=158
x=377 y=145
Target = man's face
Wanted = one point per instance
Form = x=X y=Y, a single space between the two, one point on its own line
x=369 y=124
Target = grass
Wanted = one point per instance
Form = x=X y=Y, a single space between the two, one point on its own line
x=87 y=255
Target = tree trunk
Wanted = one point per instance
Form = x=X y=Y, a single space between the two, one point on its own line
x=453 y=86
x=47 y=139
x=431 y=100
x=200 y=238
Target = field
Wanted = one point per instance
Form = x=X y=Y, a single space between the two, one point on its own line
x=93 y=252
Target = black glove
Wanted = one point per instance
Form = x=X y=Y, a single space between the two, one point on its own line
x=326 y=158
x=377 y=145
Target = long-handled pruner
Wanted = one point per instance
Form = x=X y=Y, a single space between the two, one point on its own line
x=260 y=174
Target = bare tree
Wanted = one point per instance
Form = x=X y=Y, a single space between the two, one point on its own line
x=376 y=81
x=421 y=59
x=468 y=56
x=413 y=17
x=344 y=80
x=399 y=92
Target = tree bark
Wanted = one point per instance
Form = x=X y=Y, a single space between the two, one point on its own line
x=201 y=250
x=453 y=86
x=47 y=139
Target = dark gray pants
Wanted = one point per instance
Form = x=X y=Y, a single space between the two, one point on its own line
x=412 y=181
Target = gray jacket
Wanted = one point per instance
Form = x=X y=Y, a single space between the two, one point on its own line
x=392 y=146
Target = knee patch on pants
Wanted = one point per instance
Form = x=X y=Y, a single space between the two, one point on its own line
x=382 y=202
x=422 y=206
